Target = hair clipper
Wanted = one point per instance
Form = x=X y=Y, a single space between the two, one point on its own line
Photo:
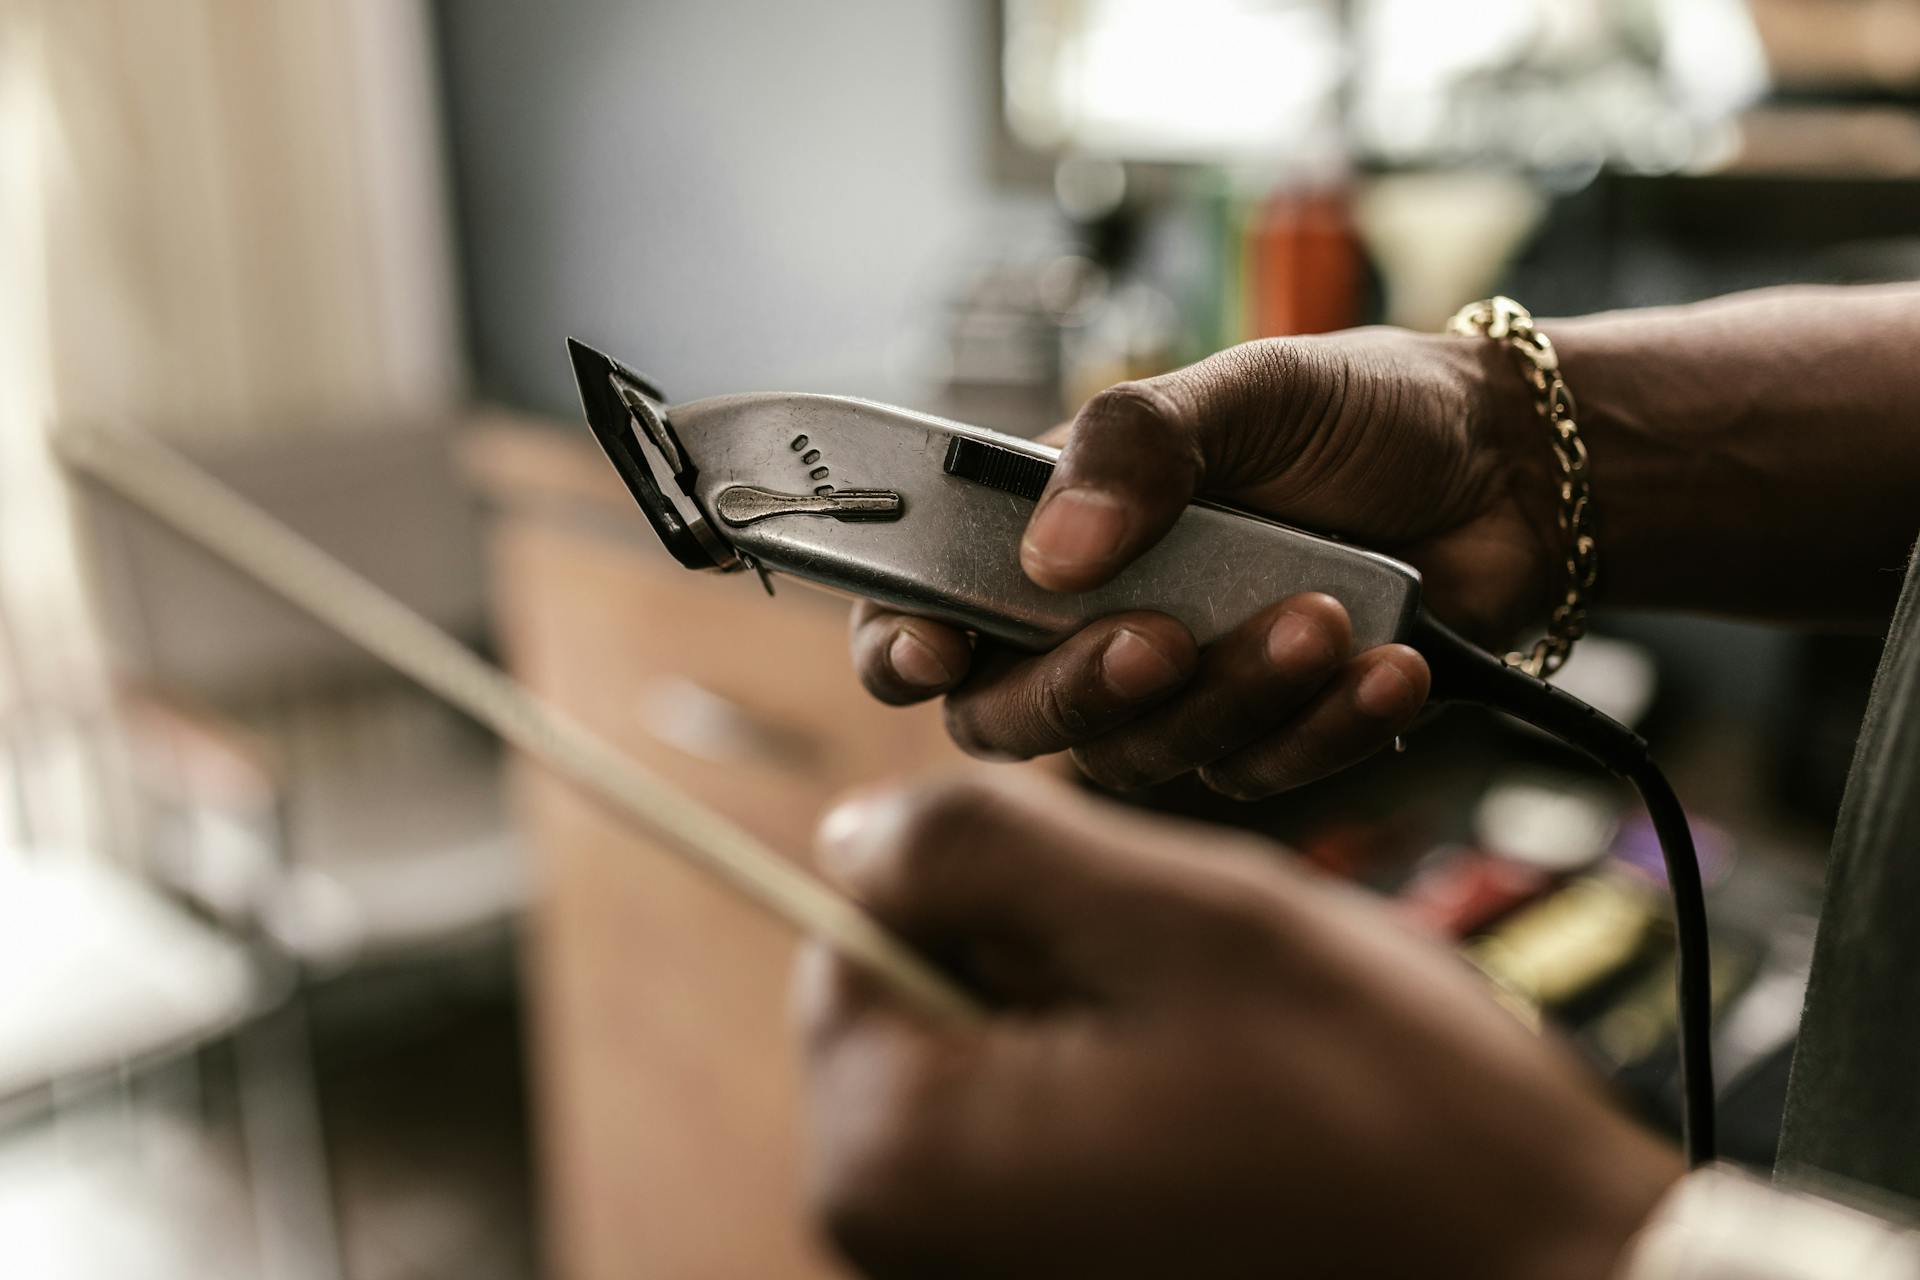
x=925 y=516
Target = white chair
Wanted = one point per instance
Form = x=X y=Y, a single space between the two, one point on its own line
x=106 y=980
x=381 y=809
x=331 y=819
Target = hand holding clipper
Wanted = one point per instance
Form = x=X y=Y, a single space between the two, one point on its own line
x=1384 y=437
x=1089 y=599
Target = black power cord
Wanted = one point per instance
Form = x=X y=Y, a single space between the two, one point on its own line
x=1463 y=672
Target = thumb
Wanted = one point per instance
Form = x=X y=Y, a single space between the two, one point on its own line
x=1139 y=451
x=1132 y=461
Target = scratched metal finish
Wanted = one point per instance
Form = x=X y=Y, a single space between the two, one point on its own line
x=953 y=553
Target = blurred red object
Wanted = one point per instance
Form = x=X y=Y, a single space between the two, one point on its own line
x=1461 y=891
x=1353 y=850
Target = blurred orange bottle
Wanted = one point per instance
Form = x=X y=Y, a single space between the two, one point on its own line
x=1303 y=265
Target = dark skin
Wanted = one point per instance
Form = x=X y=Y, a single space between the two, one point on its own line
x=1754 y=456
x=1206 y=1062
x=1203 y=1061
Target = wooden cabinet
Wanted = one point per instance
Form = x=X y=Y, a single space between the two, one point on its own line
x=666 y=1080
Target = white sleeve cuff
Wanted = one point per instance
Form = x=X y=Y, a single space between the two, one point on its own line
x=1719 y=1223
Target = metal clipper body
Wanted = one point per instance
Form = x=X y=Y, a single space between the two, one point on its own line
x=925 y=516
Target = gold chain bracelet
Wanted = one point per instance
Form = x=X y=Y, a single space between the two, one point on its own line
x=1505 y=321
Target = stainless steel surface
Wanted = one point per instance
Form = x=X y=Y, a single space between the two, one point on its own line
x=652 y=427
x=746 y=503
x=953 y=553
x=657 y=447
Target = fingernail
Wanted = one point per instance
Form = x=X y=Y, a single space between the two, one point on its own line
x=1294 y=643
x=916 y=663
x=1134 y=668
x=1074 y=530
x=1383 y=692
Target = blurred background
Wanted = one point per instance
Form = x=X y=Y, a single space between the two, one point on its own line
x=301 y=977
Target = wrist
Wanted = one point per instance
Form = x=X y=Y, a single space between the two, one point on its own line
x=1510 y=326
x=1506 y=429
x=1511 y=428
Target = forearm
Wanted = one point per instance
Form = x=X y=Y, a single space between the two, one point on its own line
x=1755 y=455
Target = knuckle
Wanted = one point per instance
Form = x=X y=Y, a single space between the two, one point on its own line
x=1303 y=752
x=977 y=725
x=1243 y=936
x=1135 y=400
x=1219 y=905
x=931 y=814
x=962 y=718
x=1270 y=364
x=1237 y=923
x=1236 y=781
x=1057 y=714
x=1145 y=412
x=1311 y=750
x=1232 y=382
x=1111 y=766
x=1018 y=719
